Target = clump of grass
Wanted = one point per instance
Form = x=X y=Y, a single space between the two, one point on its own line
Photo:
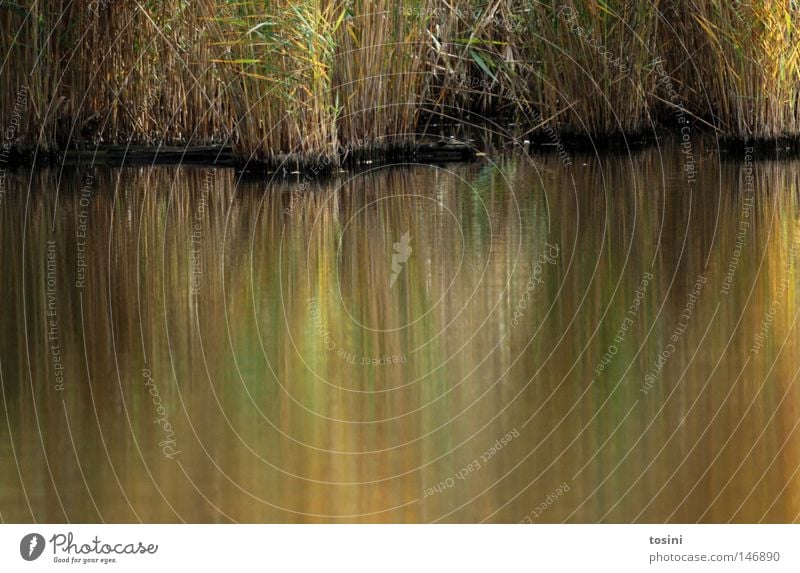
x=380 y=72
x=581 y=67
x=280 y=59
x=591 y=63
x=26 y=49
x=741 y=64
x=156 y=80
x=114 y=71
x=474 y=62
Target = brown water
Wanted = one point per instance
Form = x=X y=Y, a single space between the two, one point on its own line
x=192 y=347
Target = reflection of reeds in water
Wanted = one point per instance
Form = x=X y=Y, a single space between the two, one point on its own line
x=275 y=426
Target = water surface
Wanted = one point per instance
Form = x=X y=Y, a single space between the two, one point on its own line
x=515 y=339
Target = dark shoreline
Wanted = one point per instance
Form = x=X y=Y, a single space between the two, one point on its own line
x=434 y=151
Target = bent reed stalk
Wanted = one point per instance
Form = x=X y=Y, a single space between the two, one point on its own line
x=303 y=82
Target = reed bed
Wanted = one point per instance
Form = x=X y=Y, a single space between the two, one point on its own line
x=476 y=62
x=27 y=89
x=307 y=82
x=111 y=71
x=593 y=74
x=278 y=70
x=380 y=73
x=740 y=64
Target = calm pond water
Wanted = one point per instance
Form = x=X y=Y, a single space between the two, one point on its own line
x=515 y=339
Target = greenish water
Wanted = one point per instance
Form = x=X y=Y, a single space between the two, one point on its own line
x=522 y=339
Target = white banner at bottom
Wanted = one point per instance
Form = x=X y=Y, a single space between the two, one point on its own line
x=400 y=548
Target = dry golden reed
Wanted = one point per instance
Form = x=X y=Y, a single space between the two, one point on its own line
x=296 y=82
